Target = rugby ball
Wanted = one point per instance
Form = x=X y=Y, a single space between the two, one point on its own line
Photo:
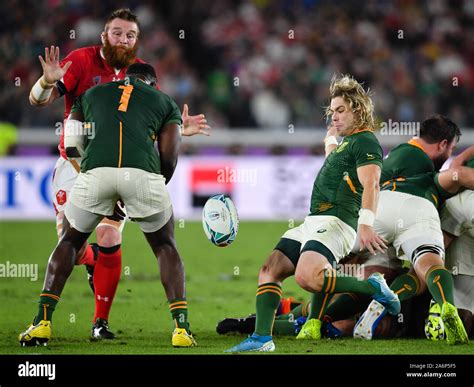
x=434 y=326
x=220 y=220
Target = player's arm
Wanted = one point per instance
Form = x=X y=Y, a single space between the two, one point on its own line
x=74 y=135
x=44 y=91
x=462 y=158
x=193 y=124
x=330 y=141
x=169 y=140
x=369 y=177
x=456 y=178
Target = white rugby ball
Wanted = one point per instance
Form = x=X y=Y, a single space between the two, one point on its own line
x=220 y=220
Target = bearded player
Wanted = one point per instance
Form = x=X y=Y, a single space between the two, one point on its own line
x=131 y=118
x=82 y=69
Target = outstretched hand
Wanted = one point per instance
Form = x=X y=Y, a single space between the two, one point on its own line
x=194 y=124
x=369 y=239
x=52 y=70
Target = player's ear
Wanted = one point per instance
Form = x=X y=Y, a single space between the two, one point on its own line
x=442 y=145
x=102 y=37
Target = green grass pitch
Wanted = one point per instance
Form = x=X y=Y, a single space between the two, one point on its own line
x=221 y=282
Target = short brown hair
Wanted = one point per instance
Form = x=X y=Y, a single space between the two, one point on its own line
x=122 y=13
x=438 y=128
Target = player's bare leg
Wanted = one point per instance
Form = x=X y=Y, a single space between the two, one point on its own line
x=274 y=271
x=60 y=266
x=86 y=256
x=63 y=258
x=341 y=311
x=314 y=273
x=172 y=276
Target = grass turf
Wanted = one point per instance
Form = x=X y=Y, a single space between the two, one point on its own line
x=221 y=282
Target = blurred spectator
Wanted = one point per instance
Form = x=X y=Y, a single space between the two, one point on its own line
x=8 y=138
x=262 y=63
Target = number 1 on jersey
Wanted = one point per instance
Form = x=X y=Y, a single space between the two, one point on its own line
x=125 y=98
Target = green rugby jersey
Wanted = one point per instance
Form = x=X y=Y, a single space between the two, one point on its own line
x=425 y=186
x=337 y=190
x=408 y=159
x=125 y=119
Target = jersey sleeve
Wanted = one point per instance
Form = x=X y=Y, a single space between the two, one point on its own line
x=77 y=106
x=174 y=114
x=367 y=150
x=443 y=194
x=74 y=73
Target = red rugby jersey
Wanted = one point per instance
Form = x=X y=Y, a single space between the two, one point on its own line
x=87 y=70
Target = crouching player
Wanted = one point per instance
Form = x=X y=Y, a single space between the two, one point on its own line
x=120 y=162
x=457 y=222
x=407 y=218
x=338 y=318
x=348 y=179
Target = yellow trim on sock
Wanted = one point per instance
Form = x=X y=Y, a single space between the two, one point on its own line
x=269 y=291
x=262 y=287
x=178 y=307
x=323 y=305
x=417 y=282
x=53 y=296
x=329 y=277
x=334 y=280
x=436 y=281
x=400 y=290
x=304 y=309
x=178 y=303
x=436 y=267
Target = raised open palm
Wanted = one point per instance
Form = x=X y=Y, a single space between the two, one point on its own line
x=52 y=70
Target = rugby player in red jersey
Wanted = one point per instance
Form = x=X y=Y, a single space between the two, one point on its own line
x=82 y=69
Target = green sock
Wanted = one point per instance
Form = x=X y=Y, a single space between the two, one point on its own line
x=298 y=311
x=179 y=312
x=319 y=304
x=346 y=306
x=268 y=299
x=440 y=284
x=405 y=286
x=47 y=303
x=284 y=327
x=343 y=284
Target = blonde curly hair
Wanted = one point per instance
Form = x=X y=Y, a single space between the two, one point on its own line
x=358 y=99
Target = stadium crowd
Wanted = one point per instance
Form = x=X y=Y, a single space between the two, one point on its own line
x=261 y=63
